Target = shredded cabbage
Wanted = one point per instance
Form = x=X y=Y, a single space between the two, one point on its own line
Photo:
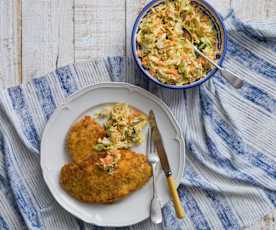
x=163 y=49
x=123 y=125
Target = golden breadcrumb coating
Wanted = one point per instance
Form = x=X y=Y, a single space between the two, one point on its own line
x=88 y=182
x=81 y=138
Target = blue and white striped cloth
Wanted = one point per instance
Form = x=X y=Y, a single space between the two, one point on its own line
x=230 y=176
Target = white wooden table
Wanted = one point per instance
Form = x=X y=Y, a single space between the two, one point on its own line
x=37 y=36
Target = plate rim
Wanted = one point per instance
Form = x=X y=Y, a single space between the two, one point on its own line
x=83 y=91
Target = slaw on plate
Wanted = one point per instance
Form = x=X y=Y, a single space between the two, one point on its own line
x=164 y=50
x=123 y=125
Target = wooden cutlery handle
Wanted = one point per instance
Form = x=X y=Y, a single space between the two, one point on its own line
x=175 y=198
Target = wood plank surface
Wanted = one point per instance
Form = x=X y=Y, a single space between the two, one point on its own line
x=47 y=36
x=222 y=6
x=99 y=28
x=257 y=9
x=10 y=43
x=37 y=36
x=132 y=10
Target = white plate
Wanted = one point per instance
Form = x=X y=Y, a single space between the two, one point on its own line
x=135 y=207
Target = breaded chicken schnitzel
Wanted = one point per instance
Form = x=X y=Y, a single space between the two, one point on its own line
x=101 y=171
x=82 y=137
x=89 y=182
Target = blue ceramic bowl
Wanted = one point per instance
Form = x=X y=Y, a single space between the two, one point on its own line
x=221 y=36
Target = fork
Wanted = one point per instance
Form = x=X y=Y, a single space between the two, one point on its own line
x=155 y=206
x=231 y=77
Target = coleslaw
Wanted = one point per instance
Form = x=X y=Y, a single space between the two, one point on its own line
x=163 y=49
x=123 y=125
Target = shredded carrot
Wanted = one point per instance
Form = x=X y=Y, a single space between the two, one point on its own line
x=165 y=48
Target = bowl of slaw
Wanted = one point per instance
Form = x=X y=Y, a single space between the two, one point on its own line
x=161 y=52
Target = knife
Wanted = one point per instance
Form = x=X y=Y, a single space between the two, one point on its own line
x=157 y=139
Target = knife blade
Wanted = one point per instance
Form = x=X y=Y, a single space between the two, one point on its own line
x=157 y=140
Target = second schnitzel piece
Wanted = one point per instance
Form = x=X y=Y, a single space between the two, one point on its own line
x=106 y=177
x=81 y=138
